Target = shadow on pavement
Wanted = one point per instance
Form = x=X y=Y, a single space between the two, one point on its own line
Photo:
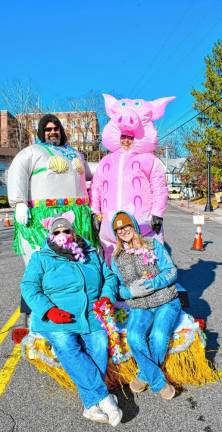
x=127 y=404
x=206 y=243
x=196 y=279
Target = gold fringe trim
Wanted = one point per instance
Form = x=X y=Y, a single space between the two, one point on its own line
x=191 y=366
x=56 y=373
x=187 y=367
x=120 y=374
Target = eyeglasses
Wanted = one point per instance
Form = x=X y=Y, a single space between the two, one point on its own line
x=50 y=129
x=65 y=231
x=127 y=136
x=124 y=229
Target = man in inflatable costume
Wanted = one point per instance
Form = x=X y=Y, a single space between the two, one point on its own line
x=45 y=179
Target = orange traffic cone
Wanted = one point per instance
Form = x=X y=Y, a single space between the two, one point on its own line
x=198 y=241
x=7 y=221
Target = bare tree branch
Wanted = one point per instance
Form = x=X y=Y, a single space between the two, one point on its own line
x=19 y=99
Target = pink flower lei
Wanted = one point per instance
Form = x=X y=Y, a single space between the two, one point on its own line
x=148 y=254
x=74 y=248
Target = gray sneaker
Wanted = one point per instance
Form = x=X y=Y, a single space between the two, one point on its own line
x=95 y=414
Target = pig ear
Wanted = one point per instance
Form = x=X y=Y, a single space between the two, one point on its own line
x=46 y=222
x=109 y=102
x=70 y=216
x=159 y=105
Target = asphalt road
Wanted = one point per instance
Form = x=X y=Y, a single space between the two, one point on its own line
x=32 y=402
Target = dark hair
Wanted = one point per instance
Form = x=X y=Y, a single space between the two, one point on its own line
x=44 y=121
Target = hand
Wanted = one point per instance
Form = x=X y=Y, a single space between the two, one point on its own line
x=139 y=289
x=59 y=316
x=96 y=221
x=156 y=223
x=99 y=217
x=22 y=213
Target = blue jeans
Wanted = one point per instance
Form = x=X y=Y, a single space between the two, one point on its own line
x=148 y=335
x=84 y=358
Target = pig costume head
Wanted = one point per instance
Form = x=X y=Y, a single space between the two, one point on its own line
x=134 y=117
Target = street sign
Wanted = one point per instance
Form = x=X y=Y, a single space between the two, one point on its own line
x=198 y=219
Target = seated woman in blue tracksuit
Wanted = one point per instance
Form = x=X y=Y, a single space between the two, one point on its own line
x=146 y=276
x=60 y=285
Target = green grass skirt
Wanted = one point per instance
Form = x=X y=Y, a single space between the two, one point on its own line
x=35 y=234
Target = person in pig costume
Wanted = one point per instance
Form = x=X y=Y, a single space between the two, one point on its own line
x=130 y=177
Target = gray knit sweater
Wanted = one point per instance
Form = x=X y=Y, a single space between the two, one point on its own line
x=132 y=268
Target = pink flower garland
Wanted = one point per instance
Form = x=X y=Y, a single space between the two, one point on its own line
x=74 y=248
x=148 y=254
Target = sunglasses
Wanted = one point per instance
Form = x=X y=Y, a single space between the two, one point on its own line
x=65 y=231
x=50 y=129
x=127 y=136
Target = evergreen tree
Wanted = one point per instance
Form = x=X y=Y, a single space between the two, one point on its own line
x=209 y=129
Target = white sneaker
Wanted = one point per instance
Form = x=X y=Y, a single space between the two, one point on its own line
x=95 y=414
x=110 y=407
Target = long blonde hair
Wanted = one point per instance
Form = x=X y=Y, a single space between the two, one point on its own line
x=137 y=242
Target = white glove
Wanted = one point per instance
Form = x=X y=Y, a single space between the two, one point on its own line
x=22 y=213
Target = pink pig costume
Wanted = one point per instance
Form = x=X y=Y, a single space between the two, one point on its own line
x=132 y=180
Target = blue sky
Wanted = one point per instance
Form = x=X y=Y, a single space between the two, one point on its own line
x=134 y=48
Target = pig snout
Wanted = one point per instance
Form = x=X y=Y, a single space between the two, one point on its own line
x=127 y=120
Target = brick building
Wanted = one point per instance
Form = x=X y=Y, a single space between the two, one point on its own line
x=17 y=132
x=12 y=139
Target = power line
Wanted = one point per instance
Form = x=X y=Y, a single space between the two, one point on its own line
x=187 y=121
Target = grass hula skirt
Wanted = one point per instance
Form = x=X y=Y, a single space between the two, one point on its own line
x=35 y=234
x=186 y=362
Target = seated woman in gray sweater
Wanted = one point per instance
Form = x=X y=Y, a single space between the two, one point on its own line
x=146 y=276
